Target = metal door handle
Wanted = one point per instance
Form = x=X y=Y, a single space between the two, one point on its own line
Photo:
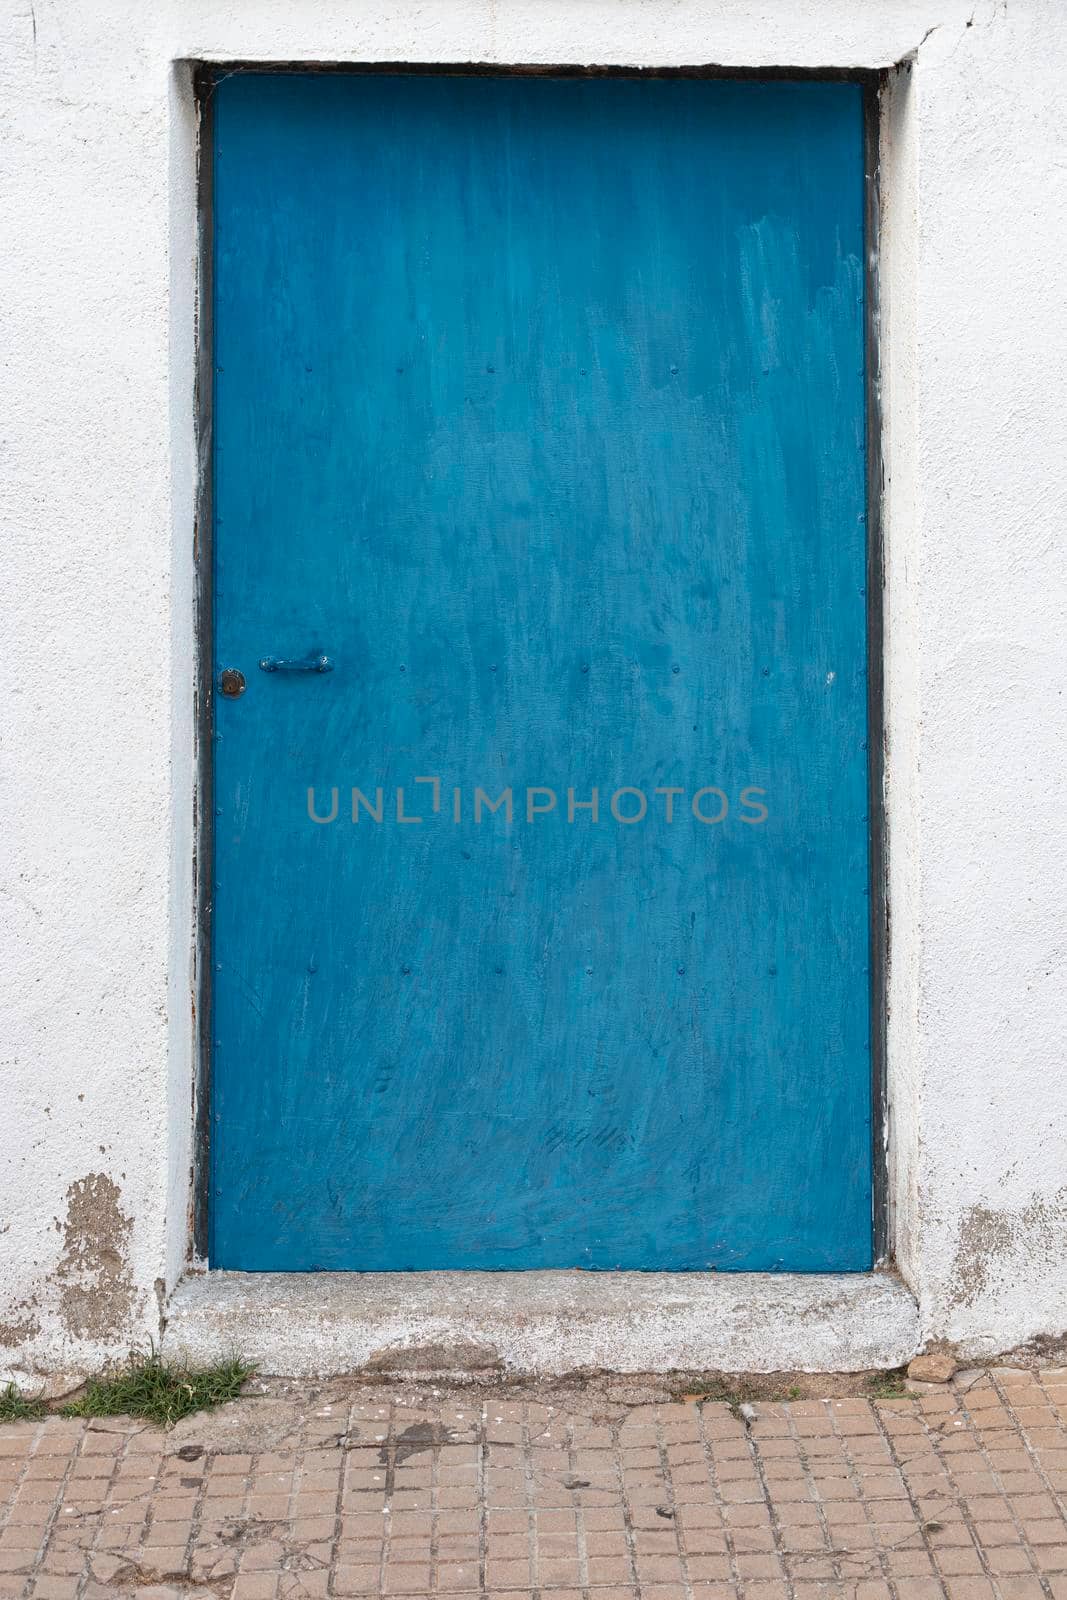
x=308 y=664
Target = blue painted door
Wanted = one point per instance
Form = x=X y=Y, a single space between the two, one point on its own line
x=539 y=413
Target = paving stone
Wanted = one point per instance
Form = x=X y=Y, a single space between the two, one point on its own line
x=243 y=1425
x=393 y=1490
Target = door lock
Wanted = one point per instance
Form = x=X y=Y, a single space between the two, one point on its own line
x=231 y=683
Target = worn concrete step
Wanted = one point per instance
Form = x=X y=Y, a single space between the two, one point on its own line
x=472 y=1323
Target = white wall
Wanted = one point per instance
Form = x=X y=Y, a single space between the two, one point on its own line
x=97 y=283
x=978 y=713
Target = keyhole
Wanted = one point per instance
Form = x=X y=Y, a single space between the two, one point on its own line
x=231 y=682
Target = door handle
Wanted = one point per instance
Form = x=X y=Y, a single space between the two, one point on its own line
x=319 y=663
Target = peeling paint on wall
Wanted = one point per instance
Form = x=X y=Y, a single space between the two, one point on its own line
x=96 y=1294
x=988 y=1237
x=15 y=1333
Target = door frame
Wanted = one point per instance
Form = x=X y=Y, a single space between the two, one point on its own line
x=205 y=77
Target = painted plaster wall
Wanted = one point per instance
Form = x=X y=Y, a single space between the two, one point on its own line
x=98 y=282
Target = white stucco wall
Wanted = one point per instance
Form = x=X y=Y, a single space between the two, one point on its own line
x=97 y=284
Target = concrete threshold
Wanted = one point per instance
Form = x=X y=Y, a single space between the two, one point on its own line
x=543 y=1323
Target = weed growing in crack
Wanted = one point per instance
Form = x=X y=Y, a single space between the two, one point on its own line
x=887 y=1385
x=16 y=1407
x=152 y=1388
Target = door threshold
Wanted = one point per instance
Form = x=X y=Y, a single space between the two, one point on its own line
x=470 y=1324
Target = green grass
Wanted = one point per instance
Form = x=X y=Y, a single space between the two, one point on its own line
x=887 y=1385
x=721 y=1392
x=14 y=1406
x=151 y=1388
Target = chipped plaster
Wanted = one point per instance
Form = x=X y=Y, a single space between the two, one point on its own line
x=96 y=1294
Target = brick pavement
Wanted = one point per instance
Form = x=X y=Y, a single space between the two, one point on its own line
x=959 y=1493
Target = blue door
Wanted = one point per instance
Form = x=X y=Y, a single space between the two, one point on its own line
x=541 y=927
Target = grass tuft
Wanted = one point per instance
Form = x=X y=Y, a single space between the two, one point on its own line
x=889 y=1385
x=15 y=1407
x=151 y=1388
x=718 y=1391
